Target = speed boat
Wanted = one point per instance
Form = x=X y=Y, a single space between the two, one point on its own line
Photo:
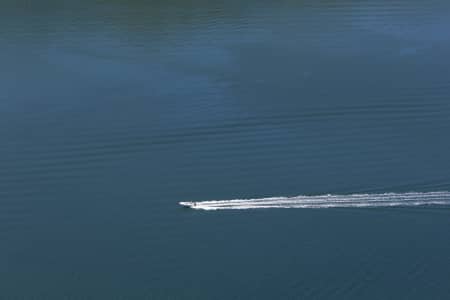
x=188 y=204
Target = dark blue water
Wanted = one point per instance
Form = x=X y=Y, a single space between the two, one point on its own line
x=111 y=112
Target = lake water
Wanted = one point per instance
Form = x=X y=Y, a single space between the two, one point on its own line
x=111 y=112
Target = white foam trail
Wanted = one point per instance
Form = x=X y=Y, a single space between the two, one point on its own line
x=328 y=201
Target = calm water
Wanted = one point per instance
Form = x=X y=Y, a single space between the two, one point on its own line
x=111 y=112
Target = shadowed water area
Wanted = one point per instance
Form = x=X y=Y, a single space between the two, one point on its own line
x=112 y=112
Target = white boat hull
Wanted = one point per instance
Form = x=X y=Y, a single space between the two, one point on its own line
x=187 y=204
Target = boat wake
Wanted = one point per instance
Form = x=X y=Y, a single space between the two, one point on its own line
x=329 y=201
